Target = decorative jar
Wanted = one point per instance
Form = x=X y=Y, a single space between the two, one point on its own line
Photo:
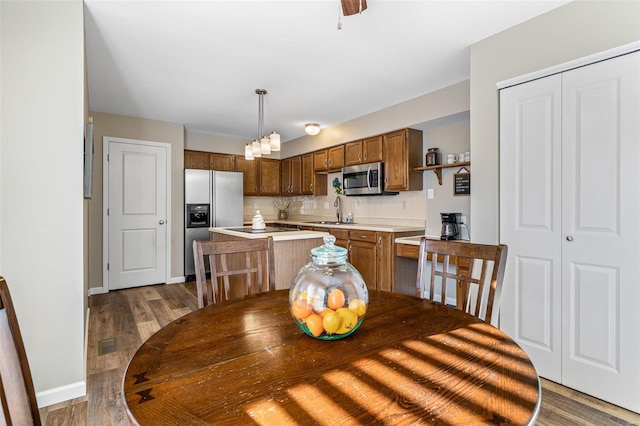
x=328 y=298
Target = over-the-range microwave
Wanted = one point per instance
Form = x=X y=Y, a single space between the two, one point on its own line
x=364 y=179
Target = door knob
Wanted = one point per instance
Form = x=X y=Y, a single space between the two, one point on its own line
x=569 y=238
x=161 y=222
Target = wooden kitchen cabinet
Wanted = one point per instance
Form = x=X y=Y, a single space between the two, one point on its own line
x=307 y=174
x=336 y=158
x=249 y=169
x=363 y=251
x=372 y=149
x=329 y=160
x=291 y=176
x=402 y=153
x=342 y=238
x=312 y=183
x=208 y=160
x=320 y=160
x=196 y=160
x=353 y=153
x=269 y=177
x=222 y=162
x=385 y=261
x=285 y=177
x=368 y=150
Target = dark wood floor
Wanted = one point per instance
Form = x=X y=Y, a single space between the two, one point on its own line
x=121 y=320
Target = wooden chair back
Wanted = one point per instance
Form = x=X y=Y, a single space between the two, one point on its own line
x=240 y=263
x=476 y=269
x=19 y=405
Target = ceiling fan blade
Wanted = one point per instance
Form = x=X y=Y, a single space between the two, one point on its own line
x=351 y=7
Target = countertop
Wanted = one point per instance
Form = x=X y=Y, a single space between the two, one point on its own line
x=294 y=234
x=356 y=225
x=415 y=240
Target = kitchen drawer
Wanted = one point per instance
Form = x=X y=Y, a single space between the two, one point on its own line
x=340 y=234
x=407 y=250
x=413 y=252
x=360 y=235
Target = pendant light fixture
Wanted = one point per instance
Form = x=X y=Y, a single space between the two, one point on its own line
x=264 y=145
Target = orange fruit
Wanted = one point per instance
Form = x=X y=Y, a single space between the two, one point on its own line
x=314 y=324
x=331 y=322
x=349 y=320
x=336 y=299
x=358 y=306
x=301 y=309
x=324 y=312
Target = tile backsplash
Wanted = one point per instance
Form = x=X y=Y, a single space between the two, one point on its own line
x=406 y=208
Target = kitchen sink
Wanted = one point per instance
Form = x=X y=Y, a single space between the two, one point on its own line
x=329 y=222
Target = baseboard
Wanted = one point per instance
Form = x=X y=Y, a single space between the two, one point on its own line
x=97 y=290
x=62 y=393
x=176 y=280
x=102 y=290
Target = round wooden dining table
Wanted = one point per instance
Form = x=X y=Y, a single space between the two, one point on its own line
x=411 y=361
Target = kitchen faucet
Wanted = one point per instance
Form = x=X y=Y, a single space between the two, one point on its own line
x=338 y=204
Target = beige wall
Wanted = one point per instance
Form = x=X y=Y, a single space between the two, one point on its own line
x=147 y=130
x=41 y=207
x=431 y=106
x=577 y=29
x=216 y=143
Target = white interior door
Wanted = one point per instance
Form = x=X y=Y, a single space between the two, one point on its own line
x=530 y=220
x=136 y=213
x=601 y=230
x=570 y=214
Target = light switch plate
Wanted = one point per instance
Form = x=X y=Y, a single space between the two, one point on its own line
x=430 y=194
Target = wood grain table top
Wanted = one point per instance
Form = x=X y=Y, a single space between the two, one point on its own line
x=410 y=362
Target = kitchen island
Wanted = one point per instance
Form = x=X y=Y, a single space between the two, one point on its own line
x=371 y=249
x=292 y=247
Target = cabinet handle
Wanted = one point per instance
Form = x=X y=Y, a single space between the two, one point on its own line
x=311 y=187
x=359 y=156
x=325 y=163
x=365 y=156
x=380 y=242
x=329 y=162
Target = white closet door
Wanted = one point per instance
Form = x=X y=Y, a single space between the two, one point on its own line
x=601 y=230
x=530 y=221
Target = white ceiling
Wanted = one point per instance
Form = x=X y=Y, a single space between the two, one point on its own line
x=199 y=62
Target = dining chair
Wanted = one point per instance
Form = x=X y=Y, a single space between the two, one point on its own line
x=19 y=404
x=247 y=264
x=477 y=270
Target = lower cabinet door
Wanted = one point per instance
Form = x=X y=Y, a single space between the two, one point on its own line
x=363 y=256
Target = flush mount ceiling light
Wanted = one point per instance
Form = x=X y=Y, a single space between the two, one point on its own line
x=312 y=128
x=264 y=144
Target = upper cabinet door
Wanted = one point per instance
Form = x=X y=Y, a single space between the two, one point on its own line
x=335 y=158
x=269 y=176
x=353 y=153
x=320 y=160
x=249 y=169
x=196 y=160
x=372 y=149
x=222 y=162
x=402 y=153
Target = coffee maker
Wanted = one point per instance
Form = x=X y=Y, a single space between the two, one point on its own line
x=450 y=226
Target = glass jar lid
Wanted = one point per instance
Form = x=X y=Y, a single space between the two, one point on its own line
x=329 y=252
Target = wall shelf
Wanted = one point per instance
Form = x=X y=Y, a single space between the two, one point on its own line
x=438 y=169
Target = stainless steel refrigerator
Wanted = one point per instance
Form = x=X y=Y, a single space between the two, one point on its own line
x=211 y=198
